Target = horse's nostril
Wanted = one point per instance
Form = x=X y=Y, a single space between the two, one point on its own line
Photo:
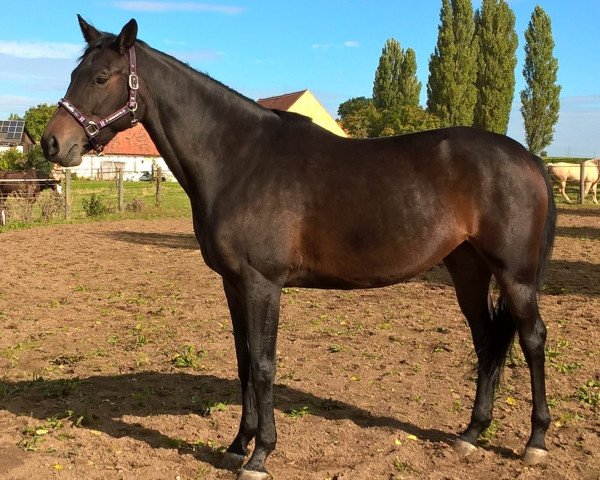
x=50 y=146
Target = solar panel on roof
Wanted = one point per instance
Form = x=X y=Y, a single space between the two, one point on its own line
x=12 y=129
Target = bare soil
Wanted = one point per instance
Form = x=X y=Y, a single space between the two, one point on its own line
x=118 y=363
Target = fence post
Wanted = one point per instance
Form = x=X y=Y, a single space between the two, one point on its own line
x=581 y=183
x=158 y=186
x=68 y=194
x=120 y=188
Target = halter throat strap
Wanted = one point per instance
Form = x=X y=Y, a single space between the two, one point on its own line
x=92 y=128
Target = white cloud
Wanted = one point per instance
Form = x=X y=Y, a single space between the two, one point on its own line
x=327 y=46
x=156 y=6
x=31 y=49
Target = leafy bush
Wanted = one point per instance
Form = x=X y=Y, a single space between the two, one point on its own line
x=94 y=206
x=51 y=205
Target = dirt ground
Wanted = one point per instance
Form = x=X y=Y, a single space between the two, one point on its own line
x=118 y=363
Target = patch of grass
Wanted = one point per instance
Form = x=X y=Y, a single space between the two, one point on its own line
x=565 y=367
x=187 y=357
x=403 y=468
x=490 y=432
x=290 y=291
x=67 y=359
x=35 y=435
x=54 y=389
x=589 y=393
x=206 y=408
x=457 y=405
x=8 y=391
x=138 y=332
x=297 y=413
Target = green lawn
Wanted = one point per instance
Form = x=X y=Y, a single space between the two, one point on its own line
x=174 y=201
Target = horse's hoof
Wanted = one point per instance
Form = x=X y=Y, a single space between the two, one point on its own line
x=463 y=448
x=252 y=475
x=534 y=456
x=232 y=461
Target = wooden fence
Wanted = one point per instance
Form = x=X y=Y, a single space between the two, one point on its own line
x=23 y=203
x=120 y=179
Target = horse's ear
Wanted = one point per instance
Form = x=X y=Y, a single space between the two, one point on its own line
x=90 y=34
x=127 y=37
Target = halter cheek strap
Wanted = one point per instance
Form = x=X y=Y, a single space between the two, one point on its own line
x=92 y=128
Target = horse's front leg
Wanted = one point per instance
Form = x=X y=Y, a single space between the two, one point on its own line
x=260 y=300
x=234 y=456
x=563 y=191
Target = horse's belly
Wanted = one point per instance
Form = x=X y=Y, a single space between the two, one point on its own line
x=367 y=260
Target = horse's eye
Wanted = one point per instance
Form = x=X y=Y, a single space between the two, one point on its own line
x=102 y=80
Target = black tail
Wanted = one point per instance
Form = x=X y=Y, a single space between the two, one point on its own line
x=503 y=326
x=549 y=227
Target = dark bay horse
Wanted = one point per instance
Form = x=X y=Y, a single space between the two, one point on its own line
x=26 y=183
x=278 y=201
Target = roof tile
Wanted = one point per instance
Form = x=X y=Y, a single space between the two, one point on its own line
x=133 y=141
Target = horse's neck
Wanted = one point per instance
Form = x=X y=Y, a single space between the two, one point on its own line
x=195 y=123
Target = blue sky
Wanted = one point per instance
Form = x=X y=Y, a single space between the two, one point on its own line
x=269 y=47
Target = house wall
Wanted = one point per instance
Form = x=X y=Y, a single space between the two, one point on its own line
x=103 y=166
x=5 y=148
x=308 y=105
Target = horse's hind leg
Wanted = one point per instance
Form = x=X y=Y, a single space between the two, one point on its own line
x=491 y=340
x=521 y=300
x=234 y=456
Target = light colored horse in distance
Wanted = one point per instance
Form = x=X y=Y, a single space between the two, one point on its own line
x=563 y=172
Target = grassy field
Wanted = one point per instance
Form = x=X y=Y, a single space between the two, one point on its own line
x=174 y=201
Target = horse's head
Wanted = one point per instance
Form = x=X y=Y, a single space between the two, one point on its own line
x=101 y=86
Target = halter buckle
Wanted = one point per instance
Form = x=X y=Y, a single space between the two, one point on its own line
x=134 y=82
x=92 y=129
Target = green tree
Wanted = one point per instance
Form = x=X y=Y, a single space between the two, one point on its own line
x=36 y=119
x=540 y=100
x=15 y=160
x=358 y=116
x=352 y=105
x=15 y=116
x=409 y=83
x=396 y=82
x=497 y=45
x=451 y=90
x=402 y=120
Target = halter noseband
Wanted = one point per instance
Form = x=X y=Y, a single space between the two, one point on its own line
x=91 y=128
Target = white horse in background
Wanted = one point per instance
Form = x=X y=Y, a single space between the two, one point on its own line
x=563 y=172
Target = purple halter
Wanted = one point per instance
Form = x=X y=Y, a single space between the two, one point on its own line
x=91 y=128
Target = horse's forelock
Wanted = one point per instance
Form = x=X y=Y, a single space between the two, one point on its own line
x=105 y=40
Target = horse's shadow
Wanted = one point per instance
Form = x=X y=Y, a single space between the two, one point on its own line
x=104 y=400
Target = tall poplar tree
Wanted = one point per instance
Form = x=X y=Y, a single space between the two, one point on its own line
x=497 y=44
x=409 y=84
x=451 y=90
x=540 y=100
x=396 y=81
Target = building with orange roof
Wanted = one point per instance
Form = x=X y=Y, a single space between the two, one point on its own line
x=305 y=103
x=131 y=149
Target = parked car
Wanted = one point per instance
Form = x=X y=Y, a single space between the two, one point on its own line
x=145 y=177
